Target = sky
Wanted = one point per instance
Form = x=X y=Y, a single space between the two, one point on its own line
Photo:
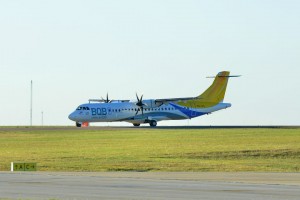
x=76 y=50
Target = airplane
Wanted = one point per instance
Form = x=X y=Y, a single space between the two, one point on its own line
x=151 y=111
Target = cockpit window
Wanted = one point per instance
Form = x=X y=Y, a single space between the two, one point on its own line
x=83 y=108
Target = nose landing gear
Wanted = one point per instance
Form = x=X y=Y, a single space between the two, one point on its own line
x=78 y=124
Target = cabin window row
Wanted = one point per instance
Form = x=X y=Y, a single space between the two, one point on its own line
x=138 y=109
x=129 y=109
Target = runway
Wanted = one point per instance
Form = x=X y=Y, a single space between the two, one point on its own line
x=129 y=127
x=153 y=185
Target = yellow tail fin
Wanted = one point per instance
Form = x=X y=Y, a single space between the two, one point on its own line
x=213 y=95
x=216 y=92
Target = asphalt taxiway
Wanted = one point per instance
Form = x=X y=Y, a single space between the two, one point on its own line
x=149 y=185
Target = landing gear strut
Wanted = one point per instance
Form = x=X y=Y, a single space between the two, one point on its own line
x=153 y=123
x=136 y=124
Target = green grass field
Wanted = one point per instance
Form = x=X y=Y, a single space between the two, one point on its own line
x=140 y=149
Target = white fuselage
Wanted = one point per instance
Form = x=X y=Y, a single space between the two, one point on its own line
x=130 y=112
x=153 y=110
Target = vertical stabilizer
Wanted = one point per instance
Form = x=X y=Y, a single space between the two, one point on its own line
x=212 y=95
x=216 y=92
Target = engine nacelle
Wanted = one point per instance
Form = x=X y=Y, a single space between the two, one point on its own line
x=151 y=103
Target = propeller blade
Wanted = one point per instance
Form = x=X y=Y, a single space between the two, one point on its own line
x=107 y=100
x=140 y=109
x=140 y=104
x=139 y=100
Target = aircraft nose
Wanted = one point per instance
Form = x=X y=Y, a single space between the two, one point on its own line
x=72 y=116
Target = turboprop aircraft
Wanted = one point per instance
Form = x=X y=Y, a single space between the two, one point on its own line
x=151 y=111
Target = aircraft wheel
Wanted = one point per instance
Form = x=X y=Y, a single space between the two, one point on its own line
x=136 y=124
x=153 y=123
x=78 y=124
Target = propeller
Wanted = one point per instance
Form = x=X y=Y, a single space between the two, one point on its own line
x=140 y=104
x=107 y=99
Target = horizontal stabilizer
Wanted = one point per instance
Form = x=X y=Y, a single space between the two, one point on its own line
x=231 y=76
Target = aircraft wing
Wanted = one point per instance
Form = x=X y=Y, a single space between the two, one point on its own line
x=156 y=100
x=96 y=100
x=174 y=99
x=105 y=101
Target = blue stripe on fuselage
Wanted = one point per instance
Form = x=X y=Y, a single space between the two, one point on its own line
x=169 y=115
x=188 y=111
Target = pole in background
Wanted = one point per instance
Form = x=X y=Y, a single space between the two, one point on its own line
x=42 y=118
x=31 y=103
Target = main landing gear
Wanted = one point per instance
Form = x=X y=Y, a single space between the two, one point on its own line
x=152 y=123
